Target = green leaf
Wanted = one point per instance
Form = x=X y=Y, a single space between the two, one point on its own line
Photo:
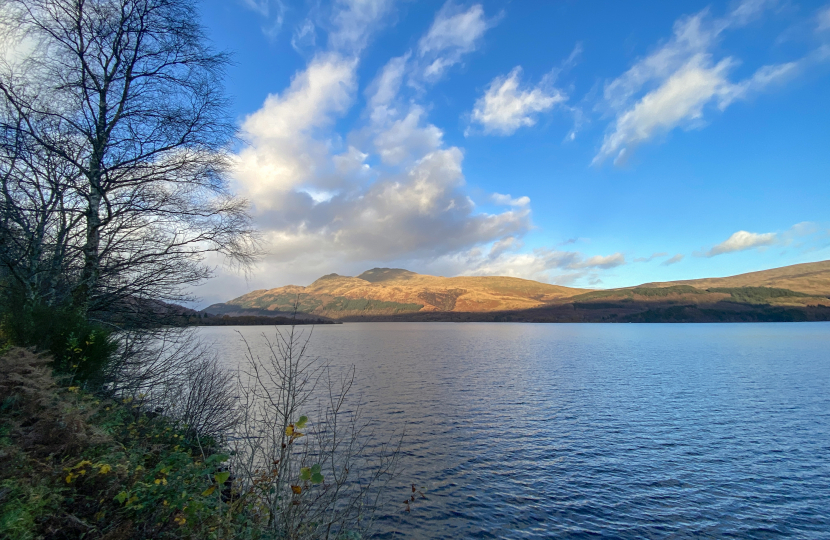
x=217 y=458
x=301 y=422
x=316 y=478
x=121 y=497
x=315 y=469
x=305 y=474
x=220 y=477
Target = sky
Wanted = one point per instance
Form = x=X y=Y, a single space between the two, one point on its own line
x=582 y=143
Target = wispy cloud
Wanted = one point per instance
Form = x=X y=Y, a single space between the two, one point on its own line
x=673 y=86
x=354 y=22
x=673 y=260
x=454 y=33
x=304 y=37
x=824 y=19
x=322 y=205
x=506 y=105
x=273 y=11
x=651 y=257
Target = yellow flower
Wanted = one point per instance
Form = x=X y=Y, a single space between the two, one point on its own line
x=105 y=469
x=180 y=520
x=74 y=388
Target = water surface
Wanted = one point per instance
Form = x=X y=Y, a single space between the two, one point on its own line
x=583 y=430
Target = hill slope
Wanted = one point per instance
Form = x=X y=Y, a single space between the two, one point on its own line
x=798 y=292
x=390 y=291
x=809 y=278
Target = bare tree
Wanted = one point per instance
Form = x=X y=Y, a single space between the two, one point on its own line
x=302 y=451
x=172 y=371
x=123 y=100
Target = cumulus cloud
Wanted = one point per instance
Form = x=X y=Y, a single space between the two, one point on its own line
x=505 y=107
x=673 y=86
x=407 y=137
x=454 y=33
x=282 y=150
x=673 y=260
x=393 y=192
x=741 y=241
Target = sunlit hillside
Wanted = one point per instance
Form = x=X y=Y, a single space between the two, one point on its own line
x=392 y=291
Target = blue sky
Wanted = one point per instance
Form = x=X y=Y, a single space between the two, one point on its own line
x=590 y=144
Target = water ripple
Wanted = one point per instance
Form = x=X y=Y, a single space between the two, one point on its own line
x=596 y=431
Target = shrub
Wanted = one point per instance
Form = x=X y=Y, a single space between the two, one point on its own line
x=81 y=350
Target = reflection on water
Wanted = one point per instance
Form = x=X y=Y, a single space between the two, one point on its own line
x=618 y=431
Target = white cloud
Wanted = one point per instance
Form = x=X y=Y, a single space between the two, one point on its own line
x=600 y=261
x=801 y=235
x=672 y=86
x=673 y=260
x=454 y=33
x=741 y=241
x=282 y=152
x=407 y=137
x=505 y=107
x=383 y=91
x=542 y=264
x=507 y=200
x=354 y=21
x=321 y=203
x=746 y=11
x=680 y=99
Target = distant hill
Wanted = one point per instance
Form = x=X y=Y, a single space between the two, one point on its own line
x=799 y=292
x=809 y=278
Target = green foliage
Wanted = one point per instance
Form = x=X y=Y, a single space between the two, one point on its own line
x=144 y=479
x=757 y=295
x=648 y=292
x=341 y=303
x=305 y=303
x=662 y=292
x=24 y=505
x=81 y=349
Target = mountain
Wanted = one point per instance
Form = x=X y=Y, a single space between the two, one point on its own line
x=799 y=292
x=391 y=291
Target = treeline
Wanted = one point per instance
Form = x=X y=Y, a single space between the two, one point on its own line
x=205 y=319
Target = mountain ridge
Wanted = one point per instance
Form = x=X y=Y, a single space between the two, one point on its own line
x=398 y=294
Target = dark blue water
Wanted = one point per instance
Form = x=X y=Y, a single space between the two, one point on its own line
x=608 y=431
